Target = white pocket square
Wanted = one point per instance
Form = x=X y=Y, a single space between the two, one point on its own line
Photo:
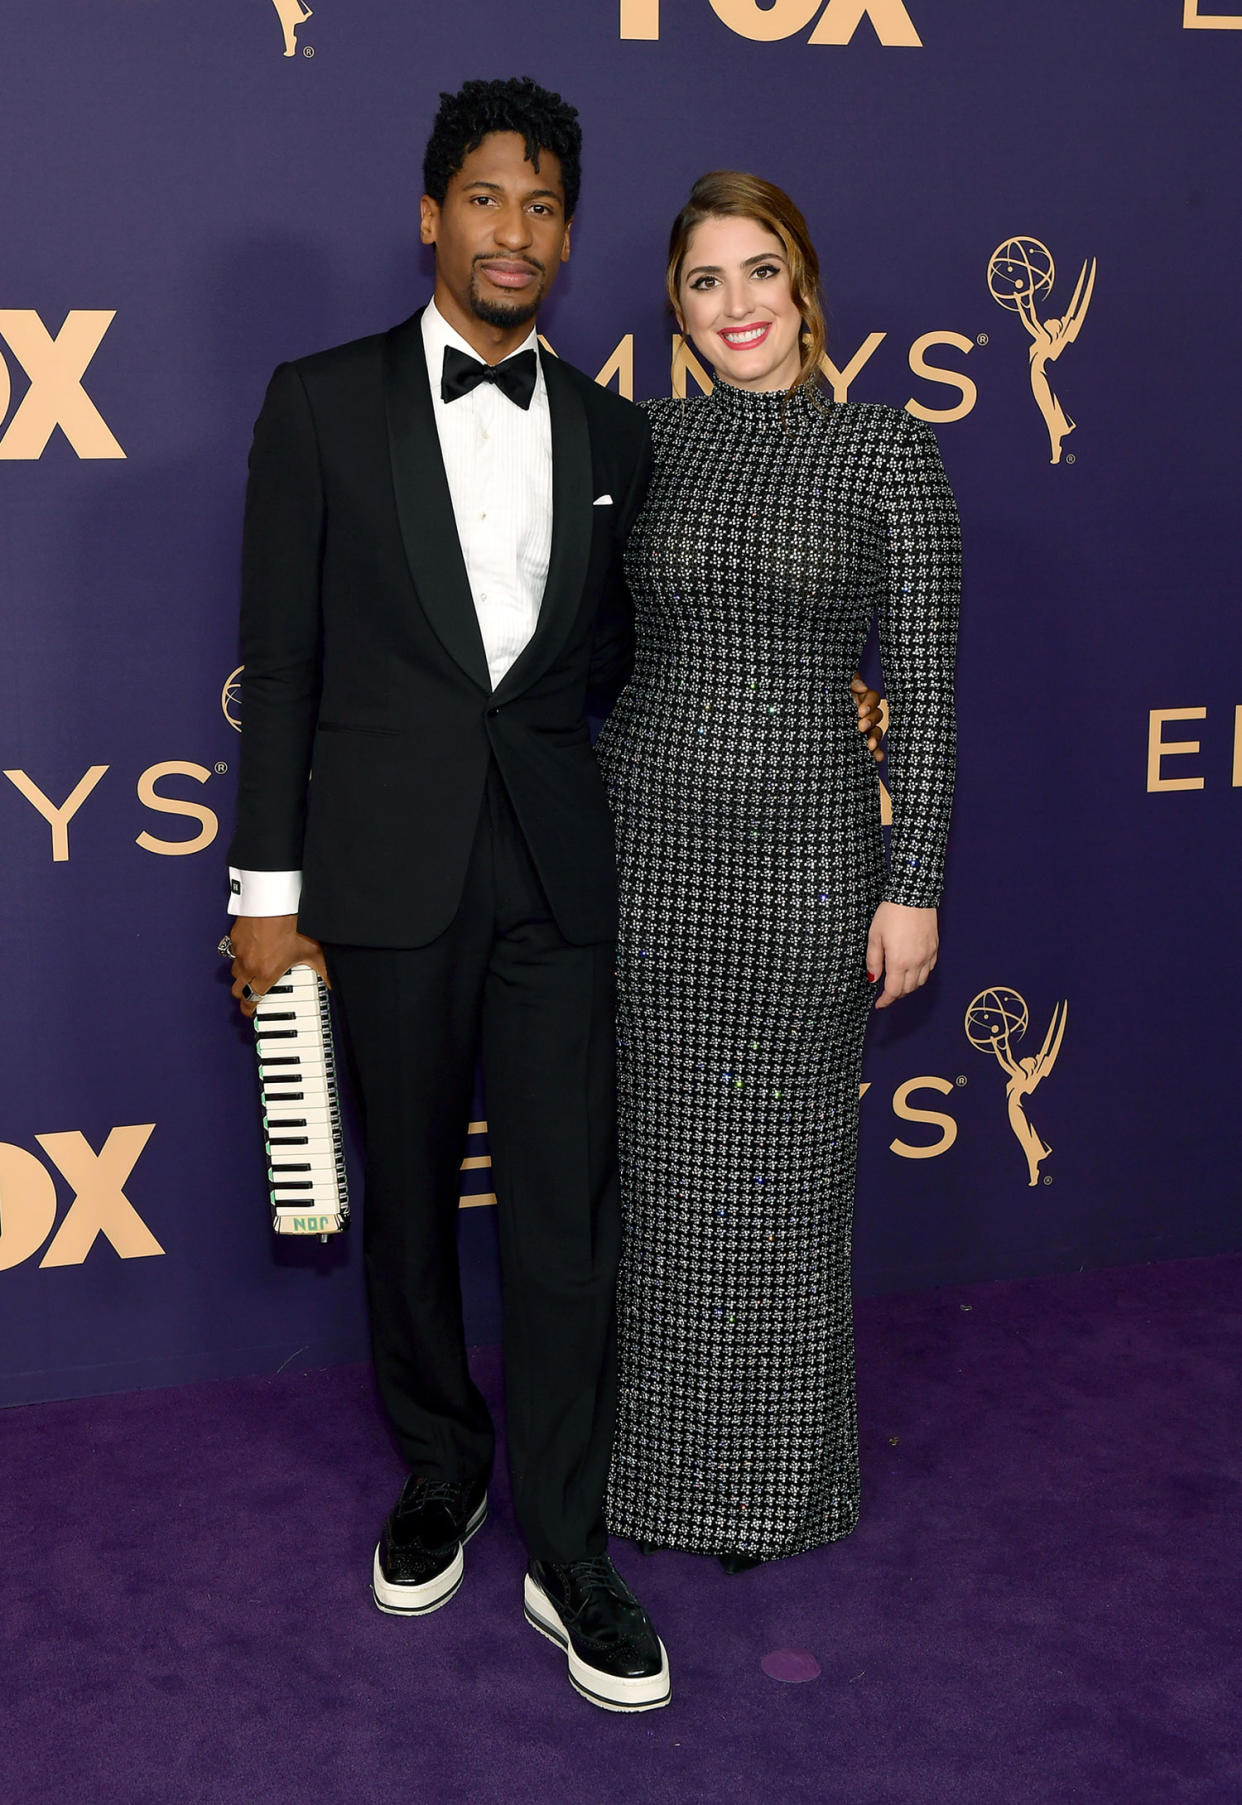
x=602 y=501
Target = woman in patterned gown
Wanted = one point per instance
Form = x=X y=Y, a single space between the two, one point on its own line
x=759 y=917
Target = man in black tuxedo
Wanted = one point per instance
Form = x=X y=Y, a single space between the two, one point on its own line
x=431 y=587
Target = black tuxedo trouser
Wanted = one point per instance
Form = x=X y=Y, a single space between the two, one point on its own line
x=500 y=977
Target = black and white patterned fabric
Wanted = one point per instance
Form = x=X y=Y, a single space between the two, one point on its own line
x=747 y=813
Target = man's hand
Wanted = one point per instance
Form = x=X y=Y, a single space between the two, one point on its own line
x=264 y=947
x=870 y=717
x=902 y=944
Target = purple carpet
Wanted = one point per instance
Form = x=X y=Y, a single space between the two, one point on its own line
x=1041 y=1602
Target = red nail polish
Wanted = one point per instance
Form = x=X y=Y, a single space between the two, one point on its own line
x=871 y=977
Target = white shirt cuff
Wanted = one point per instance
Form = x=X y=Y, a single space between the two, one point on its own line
x=264 y=892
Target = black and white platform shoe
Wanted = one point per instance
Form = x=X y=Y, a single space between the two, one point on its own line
x=616 y=1660
x=419 y=1562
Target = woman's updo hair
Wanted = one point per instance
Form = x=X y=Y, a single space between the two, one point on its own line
x=731 y=194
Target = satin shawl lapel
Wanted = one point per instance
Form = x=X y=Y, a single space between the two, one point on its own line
x=572 y=525
x=424 y=504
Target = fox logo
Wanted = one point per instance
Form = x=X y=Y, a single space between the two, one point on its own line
x=55 y=367
x=838 y=21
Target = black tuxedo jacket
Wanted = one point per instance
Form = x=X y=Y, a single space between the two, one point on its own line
x=368 y=719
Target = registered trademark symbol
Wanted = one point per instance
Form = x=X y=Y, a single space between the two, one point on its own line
x=221 y=768
x=960 y=1080
x=982 y=339
x=1070 y=458
x=1048 y=1179
x=308 y=50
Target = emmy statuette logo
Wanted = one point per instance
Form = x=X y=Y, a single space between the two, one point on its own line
x=996 y=1019
x=1020 y=274
x=55 y=367
x=768 y=24
x=230 y=698
x=292 y=14
x=28 y=1201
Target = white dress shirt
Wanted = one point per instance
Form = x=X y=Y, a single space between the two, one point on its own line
x=498 y=461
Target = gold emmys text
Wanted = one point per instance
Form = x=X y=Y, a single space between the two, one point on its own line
x=1160 y=749
x=58 y=815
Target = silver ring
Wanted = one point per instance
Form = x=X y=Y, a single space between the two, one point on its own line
x=251 y=995
x=224 y=947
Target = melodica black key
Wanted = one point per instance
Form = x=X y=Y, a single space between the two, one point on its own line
x=308 y=1184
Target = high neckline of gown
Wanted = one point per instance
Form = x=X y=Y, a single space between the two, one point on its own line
x=763 y=407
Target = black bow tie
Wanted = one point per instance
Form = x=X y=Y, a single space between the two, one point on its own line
x=515 y=377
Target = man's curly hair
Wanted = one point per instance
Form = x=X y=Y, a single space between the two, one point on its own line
x=542 y=119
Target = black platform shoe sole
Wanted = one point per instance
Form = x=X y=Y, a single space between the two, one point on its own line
x=396 y=1600
x=610 y=1692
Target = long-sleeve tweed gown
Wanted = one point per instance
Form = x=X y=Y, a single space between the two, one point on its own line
x=751 y=857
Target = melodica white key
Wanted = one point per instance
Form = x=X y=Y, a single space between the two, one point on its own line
x=306 y=1176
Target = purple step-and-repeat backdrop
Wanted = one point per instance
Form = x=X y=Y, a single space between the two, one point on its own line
x=194 y=193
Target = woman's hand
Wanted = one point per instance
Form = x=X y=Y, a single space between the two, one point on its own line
x=902 y=945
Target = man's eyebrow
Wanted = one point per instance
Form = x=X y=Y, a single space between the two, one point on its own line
x=714 y=269
x=533 y=194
